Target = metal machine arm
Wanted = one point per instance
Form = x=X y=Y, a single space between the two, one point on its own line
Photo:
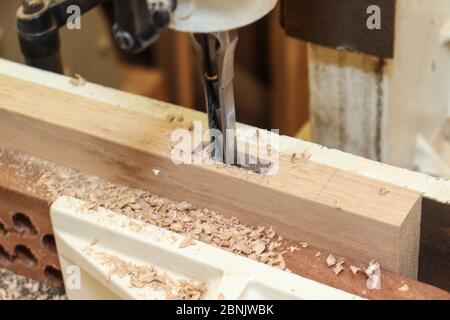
x=138 y=24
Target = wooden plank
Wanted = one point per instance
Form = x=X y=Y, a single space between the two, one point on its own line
x=431 y=187
x=333 y=209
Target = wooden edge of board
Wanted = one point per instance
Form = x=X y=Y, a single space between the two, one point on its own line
x=331 y=208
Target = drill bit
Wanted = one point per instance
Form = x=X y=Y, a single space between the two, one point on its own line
x=216 y=51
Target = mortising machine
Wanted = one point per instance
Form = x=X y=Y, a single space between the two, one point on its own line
x=138 y=23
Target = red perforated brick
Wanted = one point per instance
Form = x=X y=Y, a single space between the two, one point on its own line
x=26 y=241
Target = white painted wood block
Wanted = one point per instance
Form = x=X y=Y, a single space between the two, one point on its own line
x=81 y=233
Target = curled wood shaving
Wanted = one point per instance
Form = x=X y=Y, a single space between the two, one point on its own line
x=383 y=191
x=293 y=248
x=318 y=254
x=372 y=268
x=293 y=157
x=305 y=155
x=355 y=270
x=187 y=241
x=331 y=260
x=90 y=205
x=404 y=288
x=259 y=247
x=341 y=261
x=338 y=269
x=94 y=242
x=156 y=172
x=337 y=205
x=373 y=272
x=77 y=81
x=374 y=282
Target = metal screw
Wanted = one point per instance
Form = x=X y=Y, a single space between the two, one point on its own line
x=124 y=40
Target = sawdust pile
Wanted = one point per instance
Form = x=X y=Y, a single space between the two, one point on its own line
x=15 y=287
x=260 y=244
x=146 y=276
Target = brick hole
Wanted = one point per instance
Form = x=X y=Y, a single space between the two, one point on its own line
x=53 y=276
x=3 y=230
x=23 y=224
x=25 y=255
x=5 y=257
x=48 y=241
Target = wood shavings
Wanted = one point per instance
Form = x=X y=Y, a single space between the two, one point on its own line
x=16 y=287
x=187 y=241
x=305 y=155
x=259 y=247
x=293 y=157
x=383 y=191
x=94 y=242
x=156 y=172
x=293 y=248
x=205 y=225
x=355 y=270
x=90 y=205
x=318 y=254
x=331 y=260
x=374 y=282
x=336 y=205
x=77 y=81
x=111 y=272
x=372 y=268
x=147 y=276
x=304 y=244
x=338 y=269
x=373 y=272
x=404 y=288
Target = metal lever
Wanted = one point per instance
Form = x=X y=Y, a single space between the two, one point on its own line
x=216 y=52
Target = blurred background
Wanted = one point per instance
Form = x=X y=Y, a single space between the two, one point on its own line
x=271 y=81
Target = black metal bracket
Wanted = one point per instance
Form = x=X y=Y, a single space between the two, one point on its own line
x=38 y=23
